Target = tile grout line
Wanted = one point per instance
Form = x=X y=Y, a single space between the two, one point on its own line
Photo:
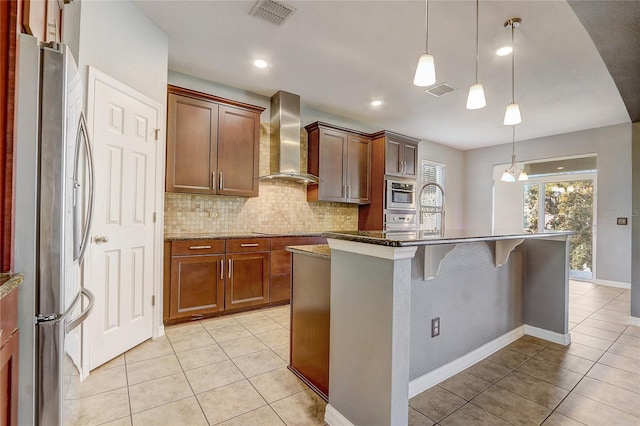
x=582 y=378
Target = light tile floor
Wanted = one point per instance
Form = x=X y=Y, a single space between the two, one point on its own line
x=232 y=371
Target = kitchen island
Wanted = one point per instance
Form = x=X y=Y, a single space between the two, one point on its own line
x=410 y=311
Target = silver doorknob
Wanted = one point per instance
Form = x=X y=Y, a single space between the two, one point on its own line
x=101 y=239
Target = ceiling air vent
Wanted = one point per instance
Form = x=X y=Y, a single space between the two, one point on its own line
x=272 y=11
x=440 y=90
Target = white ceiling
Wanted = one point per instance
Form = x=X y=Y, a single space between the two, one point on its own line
x=340 y=55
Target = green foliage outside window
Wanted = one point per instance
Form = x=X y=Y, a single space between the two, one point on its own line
x=568 y=207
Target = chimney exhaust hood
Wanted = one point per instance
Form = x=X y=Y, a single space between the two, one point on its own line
x=285 y=139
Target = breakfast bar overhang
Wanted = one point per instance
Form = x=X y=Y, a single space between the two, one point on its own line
x=485 y=291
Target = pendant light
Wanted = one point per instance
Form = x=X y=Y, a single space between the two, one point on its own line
x=426 y=69
x=476 y=99
x=512 y=114
x=514 y=173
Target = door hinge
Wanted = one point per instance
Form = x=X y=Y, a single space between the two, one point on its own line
x=154 y=217
x=153 y=300
x=157 y=131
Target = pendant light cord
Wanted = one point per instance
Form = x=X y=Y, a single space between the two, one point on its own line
x=513 y=67
x=477 y=37
x=426 y=26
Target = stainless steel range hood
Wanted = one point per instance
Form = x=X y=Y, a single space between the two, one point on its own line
x=285 y=139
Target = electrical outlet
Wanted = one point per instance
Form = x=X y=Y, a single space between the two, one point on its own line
x=435 y=327
x=213 y=214
x=320 y=215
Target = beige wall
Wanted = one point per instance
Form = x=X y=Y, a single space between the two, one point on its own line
x=281 y=207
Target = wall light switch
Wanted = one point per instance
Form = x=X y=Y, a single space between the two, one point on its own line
x=622 y=221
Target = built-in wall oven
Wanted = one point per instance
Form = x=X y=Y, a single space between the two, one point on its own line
x=401 y=195
x=400 y=208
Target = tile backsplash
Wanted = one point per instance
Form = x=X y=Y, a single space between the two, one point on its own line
x=281 y=207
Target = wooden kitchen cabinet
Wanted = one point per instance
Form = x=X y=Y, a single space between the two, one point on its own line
x=280 y=279
x=310 y=321
x=401 y=155
x=341 y=158
x=213 y=144
x=9 y=343
x=197 y=278
x=391 y=154
x=208 y=277
x=247 y=275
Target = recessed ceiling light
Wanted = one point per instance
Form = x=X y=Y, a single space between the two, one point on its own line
x=560 y=168
x=260 y=63
x=376 y=103
x=504 y=50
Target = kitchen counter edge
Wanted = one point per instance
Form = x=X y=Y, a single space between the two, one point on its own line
x=8 y=282
x=198 y=236
x=317 y=250
x=378 y=238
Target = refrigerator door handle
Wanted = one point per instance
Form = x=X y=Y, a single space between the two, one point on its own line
x=56 y=318
x=85 y=313
x=81 y=246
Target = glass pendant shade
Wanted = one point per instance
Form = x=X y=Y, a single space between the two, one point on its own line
x=476 y=100
x=523 y=176
x=512 y=115
x=507 y=176
x=425 y=72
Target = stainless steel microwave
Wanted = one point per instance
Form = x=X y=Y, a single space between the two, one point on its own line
x=401 y=195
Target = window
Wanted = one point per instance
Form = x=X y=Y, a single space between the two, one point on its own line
x=431 y=199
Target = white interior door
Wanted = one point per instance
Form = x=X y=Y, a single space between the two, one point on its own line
x=124 y=127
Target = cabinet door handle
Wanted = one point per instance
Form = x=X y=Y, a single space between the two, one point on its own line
x=229 y=272
x=250 y=245
x=199 y=247
x=220 y=182
x=348 y=191
x=221 y=269
x=213 y=180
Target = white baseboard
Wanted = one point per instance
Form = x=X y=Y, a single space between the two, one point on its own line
x=432 y=378
x=332 y=417
x=634 y=321
x=617 y=284
x=551 y=336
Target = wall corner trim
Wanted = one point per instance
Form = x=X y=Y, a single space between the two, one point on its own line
x=551 y=336
x=333 y=417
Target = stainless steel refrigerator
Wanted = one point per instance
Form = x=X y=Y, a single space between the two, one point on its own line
x=54 y=204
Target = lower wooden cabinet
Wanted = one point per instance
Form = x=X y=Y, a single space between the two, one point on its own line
x=197 y=285
x=9 y=343
x=280 y=280
x=9 y=380
x=207 y=277
x=310 y=321
x=247 y=280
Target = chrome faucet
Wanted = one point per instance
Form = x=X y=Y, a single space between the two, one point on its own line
x=432 y=209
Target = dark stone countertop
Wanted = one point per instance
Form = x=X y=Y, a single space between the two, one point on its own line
x=181 y=236
x=8 y=282
x=318 y=250
x=420 y=238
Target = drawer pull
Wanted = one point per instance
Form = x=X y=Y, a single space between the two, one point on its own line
x=199 y=247
x=250 y=245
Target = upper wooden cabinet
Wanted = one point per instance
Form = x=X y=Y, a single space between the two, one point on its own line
x=341 y=158
x=401 y=155
x=213 y=144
